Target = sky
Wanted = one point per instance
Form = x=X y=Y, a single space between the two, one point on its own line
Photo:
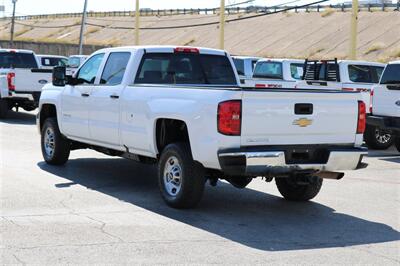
x=31 y=7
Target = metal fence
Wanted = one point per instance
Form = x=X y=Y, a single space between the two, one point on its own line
x=206 y=11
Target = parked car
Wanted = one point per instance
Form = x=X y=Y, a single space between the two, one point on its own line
x=245 y=66
x=21 y=80
x=183 y=108
x=50 y=61
x=349 y=75
x=385 y=113
x=74 y=62
x=277 y=73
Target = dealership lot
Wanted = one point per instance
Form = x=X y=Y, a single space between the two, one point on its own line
x=100 y=209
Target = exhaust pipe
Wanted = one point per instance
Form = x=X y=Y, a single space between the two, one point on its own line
x=330 y=175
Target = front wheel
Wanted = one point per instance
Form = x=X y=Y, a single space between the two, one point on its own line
x=3 y=108
x=291 y=190
x=181 y=179
x=377 y=138
x=55 y=147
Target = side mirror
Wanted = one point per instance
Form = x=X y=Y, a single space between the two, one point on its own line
x=59 y=76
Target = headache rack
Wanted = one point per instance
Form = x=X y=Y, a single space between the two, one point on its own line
x=321 y=71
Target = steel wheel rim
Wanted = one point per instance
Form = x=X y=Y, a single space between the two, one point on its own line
x=172 y=176
x=49 y=142
x=381 y=137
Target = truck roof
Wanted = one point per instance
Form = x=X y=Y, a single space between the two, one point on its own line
x=246 y=57
x=51 y=56
x=17 y=51
x=281 y=60
x=162 y=49
x=359 y=62
x=394 y=62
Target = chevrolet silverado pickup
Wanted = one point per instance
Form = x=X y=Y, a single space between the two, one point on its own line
x=349 y=75
x=182 y=108
x=21 y=80
x=385 y=112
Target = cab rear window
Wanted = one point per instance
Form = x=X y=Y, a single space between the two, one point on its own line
x=272 y=70
x=17 y=60
x=365 y=74
x=185 y=68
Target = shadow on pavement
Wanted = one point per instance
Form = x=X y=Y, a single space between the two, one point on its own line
x=247 y=216
x=19 y=118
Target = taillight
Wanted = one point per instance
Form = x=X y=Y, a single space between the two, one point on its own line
x=229 y=117
x=347 y=89
x=362 y=117
x=371 y=99
x=10 y=81
x=186 y=50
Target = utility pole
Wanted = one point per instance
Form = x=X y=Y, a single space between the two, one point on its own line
x=12 y=24
x=353 y=31
x=222 y=25
x=83 y=24
x=137 y=23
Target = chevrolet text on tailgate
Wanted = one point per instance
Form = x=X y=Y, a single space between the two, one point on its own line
x=182 y=109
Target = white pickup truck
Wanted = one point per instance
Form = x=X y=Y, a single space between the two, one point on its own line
x=385 y=112
x=349 y=75
x=277 y=73
x=21 y=80
x=183 y=108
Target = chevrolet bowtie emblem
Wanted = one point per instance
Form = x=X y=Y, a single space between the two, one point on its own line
x=302 y=122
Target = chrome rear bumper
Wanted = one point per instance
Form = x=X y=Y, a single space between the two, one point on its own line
x=275 y=162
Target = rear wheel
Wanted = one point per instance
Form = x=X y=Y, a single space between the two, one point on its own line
x=291 y=190
x=55 y=147
x=377 y=138
x=181 y=179
x=3 y=108
x=397 y=143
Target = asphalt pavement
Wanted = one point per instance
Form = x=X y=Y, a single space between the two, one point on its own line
x=105 y=210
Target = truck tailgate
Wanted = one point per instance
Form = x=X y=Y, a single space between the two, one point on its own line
x=285 y=117
x=31 y=80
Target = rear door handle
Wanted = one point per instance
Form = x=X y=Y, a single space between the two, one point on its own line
x=113 y=96
x=85 y=94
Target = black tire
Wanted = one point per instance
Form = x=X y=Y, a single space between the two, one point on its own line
x=60 y=145
x=298 y=192
x=371 y=137
x=397 y=143
x=176 y=161
x=3 y=108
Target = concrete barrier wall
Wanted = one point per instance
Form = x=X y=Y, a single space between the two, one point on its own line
x=51 y=48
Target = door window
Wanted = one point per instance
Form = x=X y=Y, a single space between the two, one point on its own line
x=115 y=68
x=87 y=73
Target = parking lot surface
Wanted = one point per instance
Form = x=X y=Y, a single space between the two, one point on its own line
x=100 y=209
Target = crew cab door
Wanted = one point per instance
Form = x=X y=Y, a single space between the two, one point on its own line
x=386 y=99
x=104 y=101
x=75 y=100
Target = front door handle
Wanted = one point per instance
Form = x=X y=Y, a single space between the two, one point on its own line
x=85 y=94
x=113 y=96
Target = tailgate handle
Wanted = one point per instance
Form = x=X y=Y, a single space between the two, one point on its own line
x=303 y=108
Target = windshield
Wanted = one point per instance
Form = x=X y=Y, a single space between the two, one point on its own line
x=391 y=75
x=74 y=62
x=185 y=68
x=17 y=60
x=271 y=70
x=365 y=74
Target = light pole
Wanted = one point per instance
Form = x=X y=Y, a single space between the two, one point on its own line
x=353 y=31
x=222 y=25
x=137 y=23
x=12 y=24
x=83 y=23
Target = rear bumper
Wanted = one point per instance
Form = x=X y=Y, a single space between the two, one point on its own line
x=385 y=122
x=279 y=162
